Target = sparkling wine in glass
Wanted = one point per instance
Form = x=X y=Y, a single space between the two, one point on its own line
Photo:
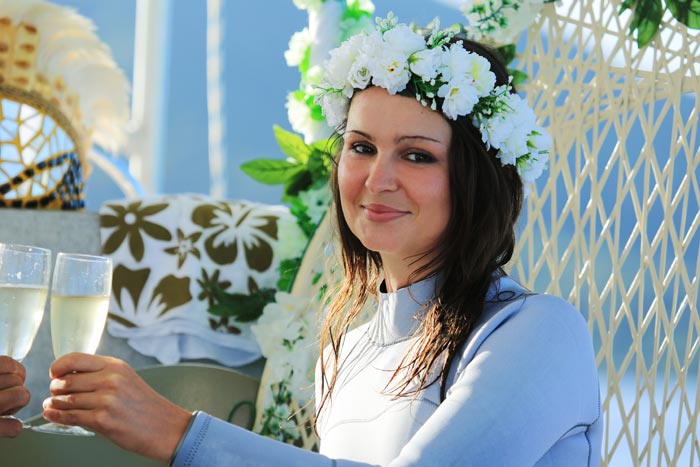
x=24 y=285
x=79 y=302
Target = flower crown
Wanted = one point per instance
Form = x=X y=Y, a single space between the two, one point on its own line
x=444 y=76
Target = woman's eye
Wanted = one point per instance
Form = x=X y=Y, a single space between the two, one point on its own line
x=361 y=148
x=420 y=157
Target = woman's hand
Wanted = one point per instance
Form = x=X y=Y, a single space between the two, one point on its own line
x=13 y=395
x=106 y=395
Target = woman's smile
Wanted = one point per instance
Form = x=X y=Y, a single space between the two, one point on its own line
x=376 y=212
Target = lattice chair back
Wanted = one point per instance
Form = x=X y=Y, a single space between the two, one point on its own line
x=613 y=228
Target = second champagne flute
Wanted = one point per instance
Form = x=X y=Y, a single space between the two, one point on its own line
x=79 y=302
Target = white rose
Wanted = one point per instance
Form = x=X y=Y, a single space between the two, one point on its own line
x=480 y=71
x=426 y=63
x=341 y=60
x=456 y=63
x=334 y=106
x=404 y=39
x=514 y=145
x=359 y=74
x=494 y=131
x=389 y=69
x=459 y=98
x=533 y=169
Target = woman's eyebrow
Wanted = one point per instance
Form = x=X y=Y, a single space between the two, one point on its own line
x=427 y=138
x=361 y=133
x=399 y=139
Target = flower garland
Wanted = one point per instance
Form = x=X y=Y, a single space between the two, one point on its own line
x=440 y=75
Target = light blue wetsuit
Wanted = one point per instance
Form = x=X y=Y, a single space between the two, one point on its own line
x=524 y=391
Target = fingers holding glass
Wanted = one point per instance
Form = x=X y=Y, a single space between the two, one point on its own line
x=24 y=285
x=79 y=304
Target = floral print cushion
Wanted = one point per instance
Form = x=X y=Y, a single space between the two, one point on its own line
x=168 y=254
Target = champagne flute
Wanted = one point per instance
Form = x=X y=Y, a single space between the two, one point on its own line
x=24 y=285
x=79 y=302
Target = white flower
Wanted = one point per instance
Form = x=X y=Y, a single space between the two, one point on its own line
x=539 y=140
x=426 y=63
x=341 y=60
x=456 y=62
x=404 y=40
x=359 y=74
x=495 y=130
x=480 y=72
x=299 y=115
x=459 y=98
x=533 y=169
x=292 y=239
x=280 y=323
x=316 y=201
x=390 y=69
x=334 y=106
x=298 y=47
x=514 y=145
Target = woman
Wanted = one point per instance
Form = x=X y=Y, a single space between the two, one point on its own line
x=460 y=365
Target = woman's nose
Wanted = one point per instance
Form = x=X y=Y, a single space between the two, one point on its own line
x=382 y=175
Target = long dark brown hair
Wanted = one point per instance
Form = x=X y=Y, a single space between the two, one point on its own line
x=485 y=201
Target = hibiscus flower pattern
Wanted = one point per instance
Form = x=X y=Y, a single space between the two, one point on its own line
x=129 y=223
x=232 y=227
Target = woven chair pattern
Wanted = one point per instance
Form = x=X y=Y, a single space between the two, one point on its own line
x=615 y=227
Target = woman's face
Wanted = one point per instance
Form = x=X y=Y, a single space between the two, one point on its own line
x=393 y=174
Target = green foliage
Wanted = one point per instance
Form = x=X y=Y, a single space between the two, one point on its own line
x=508 y=54
x=291 y=144
x=271 y=171
x=243 y=308
x=355 y=11
x=300 y=210
x=308 y=165
x=647 y=15
x=646 y=18
x=288 y=270
x=686 y=11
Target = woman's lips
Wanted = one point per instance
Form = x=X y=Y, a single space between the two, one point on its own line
x=381 y=213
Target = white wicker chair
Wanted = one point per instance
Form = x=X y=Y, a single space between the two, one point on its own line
x=615 y=227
